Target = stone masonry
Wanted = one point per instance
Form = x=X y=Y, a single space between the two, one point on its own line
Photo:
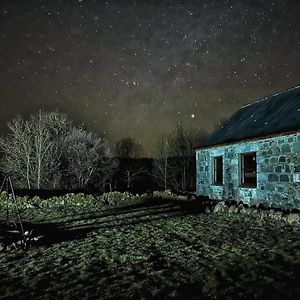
x=278 y=160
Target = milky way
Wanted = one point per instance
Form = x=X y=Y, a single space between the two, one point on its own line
x=137 y=68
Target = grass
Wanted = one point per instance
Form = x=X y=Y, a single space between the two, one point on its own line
x=156 y=250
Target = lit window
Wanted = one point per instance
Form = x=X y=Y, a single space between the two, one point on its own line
x=218 y=170
x=248 y=169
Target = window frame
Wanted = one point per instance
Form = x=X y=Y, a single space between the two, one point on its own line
x=242 y=170
x=215 y=178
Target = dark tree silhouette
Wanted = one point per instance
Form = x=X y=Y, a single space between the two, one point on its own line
x=128 y=148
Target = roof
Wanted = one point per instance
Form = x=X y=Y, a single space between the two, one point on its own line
x=276 y=114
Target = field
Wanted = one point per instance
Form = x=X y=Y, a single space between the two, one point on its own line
x=154 y=250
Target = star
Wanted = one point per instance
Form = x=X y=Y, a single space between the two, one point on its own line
x=194 y=62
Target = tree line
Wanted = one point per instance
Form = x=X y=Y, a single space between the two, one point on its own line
x=174 y=164
x=47 y=151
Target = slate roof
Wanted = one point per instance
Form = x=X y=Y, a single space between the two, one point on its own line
x=271 y=115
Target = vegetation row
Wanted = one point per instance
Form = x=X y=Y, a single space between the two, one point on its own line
x=48 y=151
x=111 y=198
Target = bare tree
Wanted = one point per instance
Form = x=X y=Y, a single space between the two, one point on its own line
x=128 y=148
x=106 y=168
x=42 y=146
x=31 y=155
x=163 y=164
x=108 y=173
x=180 y=149
x=39 y=151
x=131 y=172
x=17 y=149
x=87 y=159
x=182 y=144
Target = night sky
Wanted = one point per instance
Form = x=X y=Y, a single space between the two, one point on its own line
x=137 y=68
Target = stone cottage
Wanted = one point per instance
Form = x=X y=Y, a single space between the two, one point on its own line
x=255 y=156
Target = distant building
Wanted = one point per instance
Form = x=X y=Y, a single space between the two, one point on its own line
x=255 y=156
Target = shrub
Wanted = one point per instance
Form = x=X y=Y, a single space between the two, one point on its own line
x=118 y=198
x=66 y=200
x=71 y=200
x=164 y=195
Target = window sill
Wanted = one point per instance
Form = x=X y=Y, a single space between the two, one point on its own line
x=248 y=186
x=217 y=184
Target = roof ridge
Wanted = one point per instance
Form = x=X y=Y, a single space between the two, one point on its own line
x=268 y=97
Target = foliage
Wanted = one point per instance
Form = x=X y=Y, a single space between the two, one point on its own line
x=155 y=251
x=167 y=194
x=117 y=198
x=69 y=200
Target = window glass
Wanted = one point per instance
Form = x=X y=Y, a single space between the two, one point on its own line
x=218 y=170
x=248 y=169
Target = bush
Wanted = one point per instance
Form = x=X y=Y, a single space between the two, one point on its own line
x=118 y=198
x=165 y=195
x=69 y=200
x=66 y=200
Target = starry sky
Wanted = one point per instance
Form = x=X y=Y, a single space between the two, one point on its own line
x=137 y=68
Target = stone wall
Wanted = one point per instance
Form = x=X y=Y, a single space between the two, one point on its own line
x=277 y=158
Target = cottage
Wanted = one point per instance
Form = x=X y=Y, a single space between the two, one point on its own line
x=255 y=156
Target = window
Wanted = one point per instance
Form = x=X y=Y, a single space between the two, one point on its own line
x=248 y=169
x=218 y=170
